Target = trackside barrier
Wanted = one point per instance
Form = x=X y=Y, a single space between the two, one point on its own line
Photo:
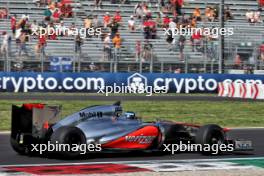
x=241 y=90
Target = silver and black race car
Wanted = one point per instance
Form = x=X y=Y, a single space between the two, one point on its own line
x=110 y=128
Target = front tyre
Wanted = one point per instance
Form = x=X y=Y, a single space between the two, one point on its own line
x=210 y=135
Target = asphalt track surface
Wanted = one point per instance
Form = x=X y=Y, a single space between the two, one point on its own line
x=10 y=157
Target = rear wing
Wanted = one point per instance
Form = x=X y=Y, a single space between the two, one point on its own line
x=33 y=119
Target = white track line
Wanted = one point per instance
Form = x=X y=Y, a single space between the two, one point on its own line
x=134 y=162
x=5 y=132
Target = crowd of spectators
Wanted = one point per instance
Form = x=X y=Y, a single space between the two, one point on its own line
x=22 y=28
x=170 y=15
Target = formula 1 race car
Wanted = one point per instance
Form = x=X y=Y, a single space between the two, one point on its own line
x=110 y=128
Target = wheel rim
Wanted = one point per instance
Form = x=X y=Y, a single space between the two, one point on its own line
x=217 y=138
x=73 y=138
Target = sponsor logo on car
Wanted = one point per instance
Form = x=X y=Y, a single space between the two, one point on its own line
x=87 y=115
x=140 y=139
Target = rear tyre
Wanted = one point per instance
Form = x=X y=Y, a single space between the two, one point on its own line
x=210 y=135
x=20 y=149
x=68 y=135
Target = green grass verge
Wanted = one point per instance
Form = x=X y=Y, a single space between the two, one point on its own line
x=228 y=113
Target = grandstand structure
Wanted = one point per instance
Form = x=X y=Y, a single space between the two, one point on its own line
x=246 y=41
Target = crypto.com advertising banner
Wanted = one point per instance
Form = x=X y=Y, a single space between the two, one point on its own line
x=95 y=82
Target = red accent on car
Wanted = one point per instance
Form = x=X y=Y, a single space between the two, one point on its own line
x=140 y=139
x=30 y=106
x=46 y=125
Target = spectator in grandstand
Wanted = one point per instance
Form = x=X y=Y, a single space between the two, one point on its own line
x=117 y=45
x=5 y=43
x=117 y=17
x=78 y=44
x=34 y=27
x=27 y=30
x=179 y=6
x=250 y=16
x=114 y=28
x=166 y=21
x=177 y=71
x=193 y=22
x=257 y=16
x=42 y=43
x=95 y=22
x=23 y=43
x=92 y=67
x=22 y=22
x=52 y=6
x=172 y=25
x=147 y=29
x=13 y=21
x=173 y=4
x=158 y=20
x=107 y=19
x=196 y=41
x=56 y=15
x=228 y=14
x=107 y=48
x=47 y=14
x=138 y=50
x=98 y=4
x=146 y=10
x=66 y=10
x=51 y=31
x=209 y=14
x=131 y=24
x=262 y=51
x=17 y=35
x=138 y=11
x=147 y=51
x=87 y=23
x=238 y=62
x=181 y=44
x=170 y=40
x=184 y=21
x=216 y=11
x=153 y=28
x=197 y=14
x=254 y=16
x=3 y=13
